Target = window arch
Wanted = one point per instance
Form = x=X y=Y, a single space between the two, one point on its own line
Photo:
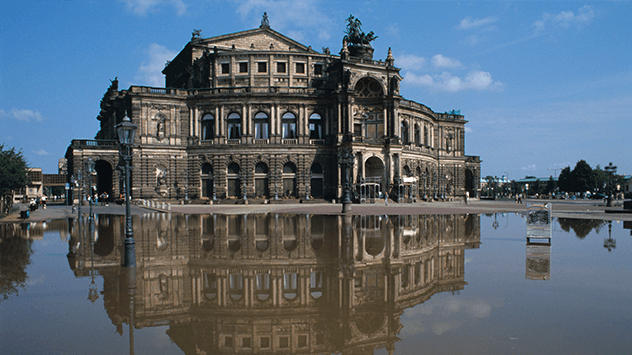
x=288 y=122
x=405 y=137
x=262 y=123
x=426 y=141
x=233 y=125
x=315 y=126
x=417 y=135
x=208 y=127
x=368 y=87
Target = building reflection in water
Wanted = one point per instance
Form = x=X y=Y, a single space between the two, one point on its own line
x=276 y=282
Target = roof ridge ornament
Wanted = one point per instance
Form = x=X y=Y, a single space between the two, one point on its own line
x=264 y=21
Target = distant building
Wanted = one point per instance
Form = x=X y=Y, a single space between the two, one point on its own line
x=256 y=113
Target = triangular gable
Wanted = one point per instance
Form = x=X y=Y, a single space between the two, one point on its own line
x=257 y=39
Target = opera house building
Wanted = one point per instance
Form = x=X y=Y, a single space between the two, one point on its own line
x=258 y=115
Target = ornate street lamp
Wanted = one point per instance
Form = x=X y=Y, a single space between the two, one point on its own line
x=346 y=160
x=90 y=171
x=126 y=132
x=610 y=171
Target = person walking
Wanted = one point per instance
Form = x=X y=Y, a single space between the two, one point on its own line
x=467 y=197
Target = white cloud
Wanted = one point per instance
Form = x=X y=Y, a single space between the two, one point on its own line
x=565 y=19
x=301 y=19
x=41 y=152
x=144 y=7
x=529 y=167
x=150 y=70
x=22 y=115
x=410 y=61
x=440 y=61
x=469 y=23
x=474 y=80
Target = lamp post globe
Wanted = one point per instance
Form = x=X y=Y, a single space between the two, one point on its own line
x=126 y=131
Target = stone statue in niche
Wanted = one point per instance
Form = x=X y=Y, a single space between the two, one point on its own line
x=161 y=183
x=160 y=129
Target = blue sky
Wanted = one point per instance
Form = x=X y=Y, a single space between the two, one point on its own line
x=543 y=84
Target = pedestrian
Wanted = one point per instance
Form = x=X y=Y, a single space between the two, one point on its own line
x=467 y=197
x=385 y=199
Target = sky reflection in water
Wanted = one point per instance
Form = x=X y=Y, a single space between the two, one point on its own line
x=321 y=284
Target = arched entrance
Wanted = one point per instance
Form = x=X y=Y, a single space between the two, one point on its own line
x=206 y=177
x=233 y=180
x=374 y=171
x=289 y=180
x=469 y=182
x=261 y=180
x=316 y=183
x=104 y=179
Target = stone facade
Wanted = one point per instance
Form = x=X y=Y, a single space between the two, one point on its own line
x=258 y=115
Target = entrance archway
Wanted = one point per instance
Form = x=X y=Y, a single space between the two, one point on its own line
x=233 y=180
x=374 y=168
x=289 y=180
x=469 y=182
x=261 y=180
x=316 y=183
x=104 y=178
x=206 y=175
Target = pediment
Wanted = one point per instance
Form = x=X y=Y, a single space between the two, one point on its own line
x=258 y=39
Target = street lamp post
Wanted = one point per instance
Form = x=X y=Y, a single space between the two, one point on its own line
x=90 y=172
x=346 y=160
x=126 y=131
x=610 y=171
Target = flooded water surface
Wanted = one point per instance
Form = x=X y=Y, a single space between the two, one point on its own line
x=303 y=284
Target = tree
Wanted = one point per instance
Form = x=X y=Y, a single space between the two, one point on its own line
x=565 y=180
x=584 y=177
x=12 y=176
x=15 y=256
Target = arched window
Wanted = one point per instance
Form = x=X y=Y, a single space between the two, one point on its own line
x=233 y=124
x=208 y=127
x=315 y=126
x=288 y=125
x=417 y=135
x=261 y=125
x=426 y=141
x=405 y=137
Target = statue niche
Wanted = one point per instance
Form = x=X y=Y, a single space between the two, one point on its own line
x=161 y=183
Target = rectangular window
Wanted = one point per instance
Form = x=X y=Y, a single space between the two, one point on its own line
x=265 y=342
x=300 y=68
x=225 y=68
x=318 y=69
x=262 y=67
x=281 y=67
x=261 y=130
x=246 y=343
x=234 y=130
x=243 y=67
x=289 y=130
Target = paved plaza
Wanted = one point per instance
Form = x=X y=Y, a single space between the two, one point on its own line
x=584 y=209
